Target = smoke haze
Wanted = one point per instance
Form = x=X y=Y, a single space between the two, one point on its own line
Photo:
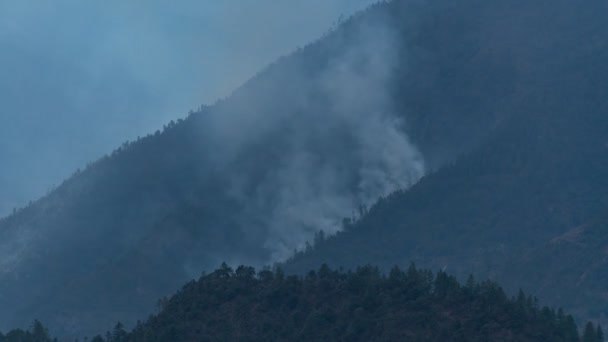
x=303 y=144
x=330 y=142
x=80 y=78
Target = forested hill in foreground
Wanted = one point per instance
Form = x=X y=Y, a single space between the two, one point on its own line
x=329 y=305
x=363 y=305
x=493 y=111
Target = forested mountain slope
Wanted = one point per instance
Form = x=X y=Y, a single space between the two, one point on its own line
x=509 y=95
x=516 y=210
x=527 y=207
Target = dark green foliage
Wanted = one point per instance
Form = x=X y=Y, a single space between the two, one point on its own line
x=37 y=333
x=364 y=305
x=591 y=334
x=119 y=334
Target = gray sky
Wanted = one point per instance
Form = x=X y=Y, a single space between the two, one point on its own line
x=77 y=78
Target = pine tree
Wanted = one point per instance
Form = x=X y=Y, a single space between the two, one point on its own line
x=39 y=332
x=119 y=334
x=589 y=335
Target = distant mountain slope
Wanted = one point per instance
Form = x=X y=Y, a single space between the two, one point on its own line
x=498 y=212
x=576 y=260
x=508 y=95
x=523 y=207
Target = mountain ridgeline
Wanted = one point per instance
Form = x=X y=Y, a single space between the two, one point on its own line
x=480 y=125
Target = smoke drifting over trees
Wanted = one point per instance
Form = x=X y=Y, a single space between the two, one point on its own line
x=308 y=141
x=105 y=72
x=331 y=140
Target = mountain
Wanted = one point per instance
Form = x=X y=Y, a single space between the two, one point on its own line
x=478 y=123
x=248 y=179
x=521 y=213
x=527 y=206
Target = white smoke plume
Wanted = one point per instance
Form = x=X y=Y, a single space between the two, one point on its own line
x=340 y=149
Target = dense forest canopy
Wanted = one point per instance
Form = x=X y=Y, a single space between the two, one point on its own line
x=334 y=305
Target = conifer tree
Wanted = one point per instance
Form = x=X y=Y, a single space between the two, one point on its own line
x=599 y=334
x=590 y=334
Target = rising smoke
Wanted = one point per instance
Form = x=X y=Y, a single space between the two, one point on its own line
x=295 y=150
x=99 y=73
x=302 y=157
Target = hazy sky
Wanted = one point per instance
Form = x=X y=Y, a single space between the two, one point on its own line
x=77 y=78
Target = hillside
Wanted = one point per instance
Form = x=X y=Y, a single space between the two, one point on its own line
x=363 y=305
x=520 y=213
x=526 y=207
x=491 y=114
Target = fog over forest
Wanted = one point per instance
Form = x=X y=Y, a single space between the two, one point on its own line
x=78 y=79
